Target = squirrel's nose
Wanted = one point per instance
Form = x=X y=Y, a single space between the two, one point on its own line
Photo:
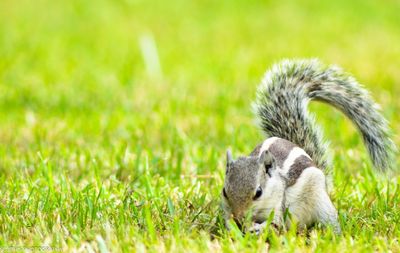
x=238 y=218
x=237 y=215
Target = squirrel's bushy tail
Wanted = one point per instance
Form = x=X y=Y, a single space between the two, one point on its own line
x=282 y=100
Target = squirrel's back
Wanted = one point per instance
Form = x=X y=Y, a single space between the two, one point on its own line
x=288 y=157
x=281 y=108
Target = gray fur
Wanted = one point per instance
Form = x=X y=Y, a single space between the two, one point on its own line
x=245 y=174
x=256 y=150
x=300 y=164
x=281 y=108
x=289 y=179
x=280 y=150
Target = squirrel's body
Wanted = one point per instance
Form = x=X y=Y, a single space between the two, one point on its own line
x=304 y=195
x=290 y=158
x=286 y=171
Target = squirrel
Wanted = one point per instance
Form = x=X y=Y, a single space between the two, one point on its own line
x=287 y=172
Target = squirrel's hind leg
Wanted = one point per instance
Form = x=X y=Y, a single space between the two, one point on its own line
x=309 y=202
x=327 y=213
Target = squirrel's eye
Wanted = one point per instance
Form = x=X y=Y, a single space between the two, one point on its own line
x=258 y=193
x=268 y=168
x=224 y=193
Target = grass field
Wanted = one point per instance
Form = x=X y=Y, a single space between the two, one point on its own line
x=115 y=117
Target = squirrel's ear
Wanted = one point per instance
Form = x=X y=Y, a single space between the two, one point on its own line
x=265 y=158
x=229 y=159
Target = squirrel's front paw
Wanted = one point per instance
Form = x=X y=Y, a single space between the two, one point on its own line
x=257 y=228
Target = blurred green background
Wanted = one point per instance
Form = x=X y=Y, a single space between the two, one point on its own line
x=96 y=94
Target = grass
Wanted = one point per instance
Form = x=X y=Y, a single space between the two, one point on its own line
x=115 y=117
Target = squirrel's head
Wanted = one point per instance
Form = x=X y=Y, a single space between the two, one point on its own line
x=249 y=186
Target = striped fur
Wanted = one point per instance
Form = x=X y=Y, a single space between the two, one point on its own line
x=281 y=108
x=288 y=166
x=289 y=158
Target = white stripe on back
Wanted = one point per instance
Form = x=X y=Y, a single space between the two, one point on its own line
x=266 y=144
x=295 y=153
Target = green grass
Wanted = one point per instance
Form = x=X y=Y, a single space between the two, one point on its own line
x=101 y=150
